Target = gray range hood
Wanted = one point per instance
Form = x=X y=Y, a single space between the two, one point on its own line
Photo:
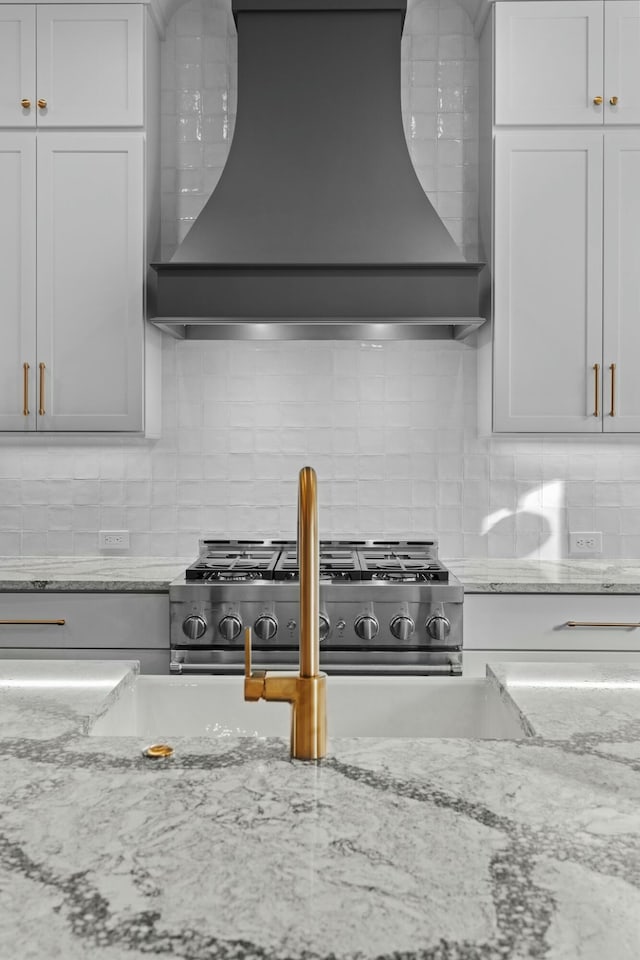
x=318 y=227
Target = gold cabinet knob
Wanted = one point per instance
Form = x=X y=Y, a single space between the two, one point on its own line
x=42 y=104
x=25 y=103
x=596 y=100
x=613 y=101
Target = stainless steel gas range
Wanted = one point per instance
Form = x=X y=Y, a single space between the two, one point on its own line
x=385 y=607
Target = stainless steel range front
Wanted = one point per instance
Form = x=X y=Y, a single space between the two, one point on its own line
x=385 y=607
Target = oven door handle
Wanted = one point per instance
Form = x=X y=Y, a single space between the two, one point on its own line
x=452 y=668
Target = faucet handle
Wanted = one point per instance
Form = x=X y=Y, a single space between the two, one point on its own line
x=253 y=682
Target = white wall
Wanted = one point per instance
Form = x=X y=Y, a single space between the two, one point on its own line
x=391 y=428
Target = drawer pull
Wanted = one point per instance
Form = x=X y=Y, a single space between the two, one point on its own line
x=601 y=623
x=30 y=623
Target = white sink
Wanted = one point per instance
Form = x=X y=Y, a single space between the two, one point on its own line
x=161 y=707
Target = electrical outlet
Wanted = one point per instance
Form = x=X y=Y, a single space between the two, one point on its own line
x=113 y=539
x=585 y=543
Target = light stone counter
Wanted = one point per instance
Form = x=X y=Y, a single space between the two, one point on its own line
x=154 y=574
x=547 y=576
x=411 y=849
x=91 y=574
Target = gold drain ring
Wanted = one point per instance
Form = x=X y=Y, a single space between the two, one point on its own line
x=158 y=751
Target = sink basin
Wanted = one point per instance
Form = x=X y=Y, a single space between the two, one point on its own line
x=158 y=707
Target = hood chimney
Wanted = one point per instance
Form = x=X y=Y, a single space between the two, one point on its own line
x=318 y=227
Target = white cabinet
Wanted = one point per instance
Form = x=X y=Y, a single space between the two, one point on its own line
x=567 y=62
x=504 y=627
x=621 y=305
x=71 y=65
x=77 y=354
x=17 y=279
x=80 y=626
x=71 y=285
x=17 y=64
x=566 y=283
x=90 y=297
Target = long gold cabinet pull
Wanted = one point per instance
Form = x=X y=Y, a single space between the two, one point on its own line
x=25 y=389
x=612 y=368
x=596 y=404
x=41 y=409
x=601 y=623
x=31 y=623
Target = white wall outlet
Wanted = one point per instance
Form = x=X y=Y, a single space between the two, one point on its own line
x=586 y=543
x=113 y=539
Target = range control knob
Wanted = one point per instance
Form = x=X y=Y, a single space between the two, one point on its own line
x=266 y=628
x=438 y=628
x=194 y=627
x=230 y=628
x=324 y=627
x=402 y=628
x=366 y=627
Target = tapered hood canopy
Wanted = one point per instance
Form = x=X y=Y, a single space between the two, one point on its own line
x=318 y=227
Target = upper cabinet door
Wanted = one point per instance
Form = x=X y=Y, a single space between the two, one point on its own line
x=89 y=289
x=17 y=65
x=549 y=62
x=90 y=65
x=622 y=61
x=548 y=282
x=17 y=280
x=621 y=282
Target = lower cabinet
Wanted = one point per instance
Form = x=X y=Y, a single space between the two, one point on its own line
x=86 y=626
x=537 y=627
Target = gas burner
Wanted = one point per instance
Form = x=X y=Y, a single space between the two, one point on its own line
x=399 y=576
x=233 y=576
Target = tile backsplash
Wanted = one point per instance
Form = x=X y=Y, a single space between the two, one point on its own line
x=392 y=429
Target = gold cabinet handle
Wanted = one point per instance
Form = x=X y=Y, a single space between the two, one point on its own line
x=601 y=623
x=596 y=405
x=42 y=104
x=41 y=409
x=31 y=623
x=613 y=101
x=596 y=100
x=612 y=368
x=25 y=389
x=25 y=103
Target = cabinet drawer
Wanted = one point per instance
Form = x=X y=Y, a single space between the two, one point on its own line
x=151 y=661
x=113 y=621
x=474 y=662
x=539 y=622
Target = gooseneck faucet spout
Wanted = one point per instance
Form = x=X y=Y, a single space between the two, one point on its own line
x=306 y=692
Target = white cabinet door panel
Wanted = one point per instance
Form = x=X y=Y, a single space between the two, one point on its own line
x=151 y=661
x=549 y=62
x=474 y=662
x=90 y=64
x=547 y=281
x=17 y=279
x=622 y=61
x=17 y=65
x=622 y=282
x=539 y=622
x=89 y=289
x=117 y=621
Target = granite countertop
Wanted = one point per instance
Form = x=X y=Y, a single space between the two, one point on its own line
x=154 y=574
x=547 y=576
x=411 y=849
x=91 y=574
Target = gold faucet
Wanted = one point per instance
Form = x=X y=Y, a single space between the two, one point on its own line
x=306 y=691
